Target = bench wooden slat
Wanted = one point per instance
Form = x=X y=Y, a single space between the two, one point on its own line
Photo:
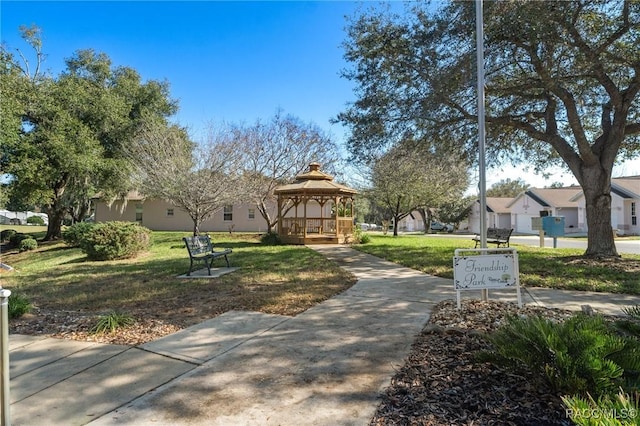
x=201 y=249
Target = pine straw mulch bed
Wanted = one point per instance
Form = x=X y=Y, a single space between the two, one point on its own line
x=441 y=384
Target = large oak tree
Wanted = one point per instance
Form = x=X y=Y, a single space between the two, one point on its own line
x=62 y=136
x=562 y=82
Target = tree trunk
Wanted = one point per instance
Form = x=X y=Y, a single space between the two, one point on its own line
x=79 y=212
x=262 y=208
x=426 y=219
x=54 y=228
x=596 y=187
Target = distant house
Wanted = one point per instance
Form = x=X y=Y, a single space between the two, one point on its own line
x=517 y=212
x=411 y=223
x=625 y=202
x=498 y=214
x=161 y=215
x=536 y=202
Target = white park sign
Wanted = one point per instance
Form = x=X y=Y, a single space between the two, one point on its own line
x=480 y=269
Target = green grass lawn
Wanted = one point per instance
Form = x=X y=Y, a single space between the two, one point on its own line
x=273 y=279
x=539 y=267
x=282 y=280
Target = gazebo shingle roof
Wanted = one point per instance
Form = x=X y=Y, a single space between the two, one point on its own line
x=314 y=181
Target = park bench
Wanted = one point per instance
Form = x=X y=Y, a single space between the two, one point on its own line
x=497 y=236
x=201 y=249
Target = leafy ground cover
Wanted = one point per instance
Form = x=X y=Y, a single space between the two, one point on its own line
x=539 y=267
x=59 y=280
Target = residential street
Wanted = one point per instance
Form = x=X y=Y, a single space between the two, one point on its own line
x=623 y=245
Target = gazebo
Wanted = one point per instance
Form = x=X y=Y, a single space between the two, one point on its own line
x=315 y=209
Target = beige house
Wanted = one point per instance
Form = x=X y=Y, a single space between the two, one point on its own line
x=161 y=215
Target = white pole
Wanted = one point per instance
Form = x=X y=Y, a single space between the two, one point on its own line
x=481 y=130
x=4 y=356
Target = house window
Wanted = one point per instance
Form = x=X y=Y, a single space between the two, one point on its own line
x=139 y=213
x=252 y=214
x=228 y=213
x=634 y=217
x=169 y=212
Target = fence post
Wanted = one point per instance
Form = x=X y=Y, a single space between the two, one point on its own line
x=4 y=356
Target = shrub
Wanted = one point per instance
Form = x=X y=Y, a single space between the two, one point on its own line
x=6 y=234
x=35 y=220
x=116 y=240
x=583 y=354
x=15 y=239
x=75 y=234
x=271 y=239
x=28 y=244
x=365 y=238
x=112 y=321
x=359 y=237
x=621 y=409
x=18 y=305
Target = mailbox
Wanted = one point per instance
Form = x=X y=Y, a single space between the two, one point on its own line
x=553 y=226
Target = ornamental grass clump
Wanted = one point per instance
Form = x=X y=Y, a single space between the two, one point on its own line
x=619 y=410
x=18 y=305
x=112 y=321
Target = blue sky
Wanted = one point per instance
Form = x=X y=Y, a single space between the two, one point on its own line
x=224 y=61
x=231 y=62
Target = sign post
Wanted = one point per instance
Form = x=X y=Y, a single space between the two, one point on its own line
x=483 y=269
x=536 y=225
x=5 y=401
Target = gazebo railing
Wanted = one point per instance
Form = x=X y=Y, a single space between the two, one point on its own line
x=316 y=225
x=346 y=225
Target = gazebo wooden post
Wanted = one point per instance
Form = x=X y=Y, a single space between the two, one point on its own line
x=304 y=222
x=322 y=202
x=319 y=187
x=280 y=230
x=337 y=203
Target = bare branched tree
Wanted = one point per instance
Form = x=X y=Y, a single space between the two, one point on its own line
x=198 y=179
x=407 y=179
x=275 y=152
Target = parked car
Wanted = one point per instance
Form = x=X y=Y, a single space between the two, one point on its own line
x=364 y=226
x=441 y=227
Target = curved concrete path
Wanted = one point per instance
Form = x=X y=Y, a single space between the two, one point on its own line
x=326 y=366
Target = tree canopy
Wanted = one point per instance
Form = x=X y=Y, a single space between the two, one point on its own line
x=507 y=188
x=275 y=152
x=199 y=179
x=63 y=135
x=562 y=82
x=407 y=179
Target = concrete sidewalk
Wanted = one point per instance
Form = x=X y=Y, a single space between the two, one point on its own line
x=326 y=366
